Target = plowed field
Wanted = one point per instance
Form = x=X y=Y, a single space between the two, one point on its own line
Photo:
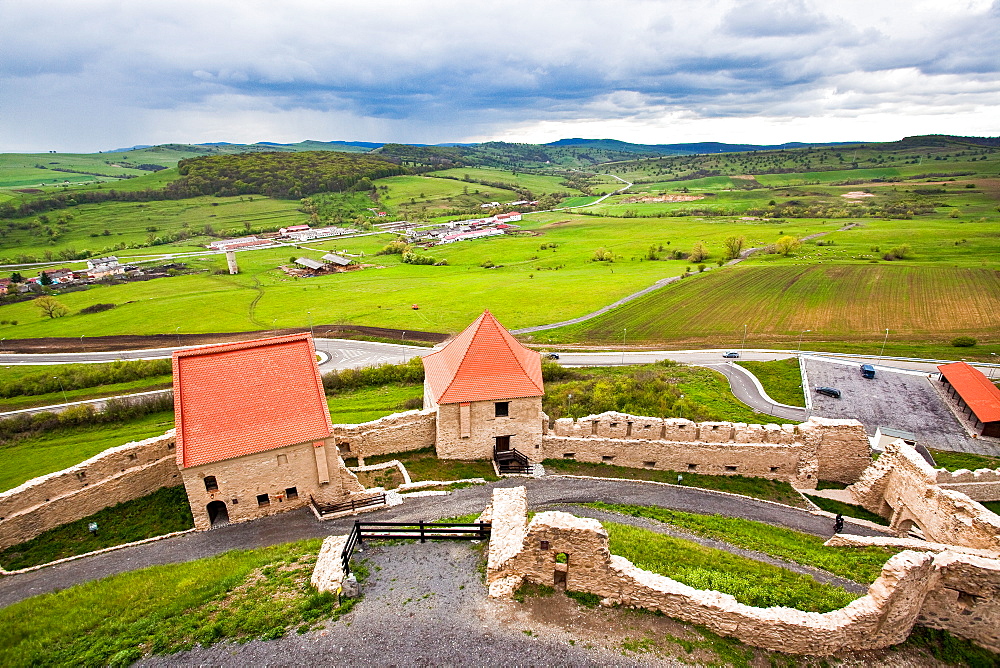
x=846 y=303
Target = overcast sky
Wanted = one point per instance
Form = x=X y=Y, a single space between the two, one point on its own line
x=87 y=75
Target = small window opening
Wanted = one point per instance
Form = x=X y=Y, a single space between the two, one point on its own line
x=649 y=465
x=569 y=455
x=774 y=469
x=132 y=456
x=730 y=468
x=292 y=493
x=170 y=446
x=692 y=467
x=613 y=425
x=263 y=500
x=501 y=409
x=543 y=545
x=81 y=475
x=608 y=458
x=345 y=447
x=714 y=427
x=211 y=485
x=282 y=460
x=562 y=558
x=236 y=501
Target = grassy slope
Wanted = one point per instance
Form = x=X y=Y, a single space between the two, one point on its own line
x=954 y=461
x=781 y=379
x=162 y=512
x=860 y=565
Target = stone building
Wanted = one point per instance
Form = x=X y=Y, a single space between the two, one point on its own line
x=487 y=389
x=254 y=431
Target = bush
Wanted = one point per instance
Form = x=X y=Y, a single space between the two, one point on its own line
x=97 y=308
x=410 y=373
x=963 y=342
x=78 y=376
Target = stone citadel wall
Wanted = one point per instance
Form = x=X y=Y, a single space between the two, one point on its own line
x=957 y=593
x=399 y=432
x=820 y=448
x=119 y=474
x=979 y=485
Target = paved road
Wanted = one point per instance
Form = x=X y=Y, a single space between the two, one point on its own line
x=300 y=524
x=747 y=389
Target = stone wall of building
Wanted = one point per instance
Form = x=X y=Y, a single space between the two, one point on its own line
x=903 y=487
x=820 y=448
x=913 y=586
x=469 y=430
x=266 y=483
x=118 y=474
x=399 y=432
x=979 y=485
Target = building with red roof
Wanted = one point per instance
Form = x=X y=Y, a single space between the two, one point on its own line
x=976 y=395
x=487 y=389
x=252 y=429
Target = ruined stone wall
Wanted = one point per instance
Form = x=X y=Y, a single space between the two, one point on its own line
x=400 y=432
x=978 y=485
x=820 y=448
x=118 y=474
x=902 y=486
x=312 y=469
x=912 y=586
x=467 y=431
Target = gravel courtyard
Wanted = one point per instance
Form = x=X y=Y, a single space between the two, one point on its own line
x=896 y=399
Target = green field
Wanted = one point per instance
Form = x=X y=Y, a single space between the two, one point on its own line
x=837 y=303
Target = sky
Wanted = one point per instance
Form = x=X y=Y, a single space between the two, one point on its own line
x=89 y=75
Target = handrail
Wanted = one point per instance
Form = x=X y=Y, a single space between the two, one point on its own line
x=403 y=530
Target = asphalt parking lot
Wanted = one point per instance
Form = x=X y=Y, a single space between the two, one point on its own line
x=896 y=399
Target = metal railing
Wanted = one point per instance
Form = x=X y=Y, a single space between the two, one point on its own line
x=421 y=530
x=349 y=505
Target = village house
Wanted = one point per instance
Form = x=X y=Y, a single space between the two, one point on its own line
x=253 y=430
x=104 y=266
x=5 y=284
x=487 y=389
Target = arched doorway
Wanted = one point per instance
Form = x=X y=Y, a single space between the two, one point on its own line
x=218 y=514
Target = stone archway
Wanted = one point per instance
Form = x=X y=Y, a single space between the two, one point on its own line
x=218 y=514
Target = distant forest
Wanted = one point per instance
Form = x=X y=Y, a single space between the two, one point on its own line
x=280 y=175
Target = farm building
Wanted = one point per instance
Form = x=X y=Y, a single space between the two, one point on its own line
x=976 y=395
x=487 y=389
x=104 y=266
x=338 y=260
x=309 y=264
x=252 y=429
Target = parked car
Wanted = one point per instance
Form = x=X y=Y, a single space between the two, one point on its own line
x=829 y=391
x=551 y=356
x=867 y=371
x=731 y=353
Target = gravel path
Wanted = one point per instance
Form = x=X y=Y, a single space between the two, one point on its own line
x=424 y=605
x=300 y=524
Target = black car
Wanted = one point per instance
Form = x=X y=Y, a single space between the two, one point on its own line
x=829 y=391
x=551 y=356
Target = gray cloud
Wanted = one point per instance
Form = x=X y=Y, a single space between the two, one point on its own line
x=457 y=69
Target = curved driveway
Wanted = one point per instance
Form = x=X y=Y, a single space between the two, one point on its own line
x=300 y=524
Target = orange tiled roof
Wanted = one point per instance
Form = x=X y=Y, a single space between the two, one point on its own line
x=483 y=363
x=237 y=399
x=976 y=390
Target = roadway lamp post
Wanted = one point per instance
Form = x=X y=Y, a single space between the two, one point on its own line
x=884 y=341
x=177 y=333
x=311 y=332
x=624 y=329
x=744 y=348
x=992 y=361
x=65 y=398
x=798 y=351
x=81 y=343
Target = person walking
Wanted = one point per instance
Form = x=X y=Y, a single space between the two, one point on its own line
x=838 y=524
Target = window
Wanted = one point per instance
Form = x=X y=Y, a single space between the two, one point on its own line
x=345 y=447
x=569 y=455
x=211 y=485
x=774 y=469
x=692 y=467
x=282 y=460
x=292 y=493
x=649 y=465
x=730 y=468
x=608 y=458
x=543 y=545
x=501 y=409
x=236 y=501
x=263 y=500
x=613 y=425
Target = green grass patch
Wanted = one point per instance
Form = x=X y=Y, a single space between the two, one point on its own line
x=423 y=464
x=51 y=398
x=164 y=511
x=830 y=484
x=781 y=379
x=370 y=403
x=758 y=488
x=861 y=565
x=992 y=506
x=751 y=582
x=847 y=509
x=661 y=389
x=532 y=590
x=951 y=649
x=239 y=595
x=953 y=461
x=61 y=448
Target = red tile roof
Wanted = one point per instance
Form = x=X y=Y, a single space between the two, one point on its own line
x=237 y=399
x=976 y=390
x=483 y=363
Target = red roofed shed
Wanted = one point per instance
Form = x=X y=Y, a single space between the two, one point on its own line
x=976 y=394
x=483 y=363
x=242 y=398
